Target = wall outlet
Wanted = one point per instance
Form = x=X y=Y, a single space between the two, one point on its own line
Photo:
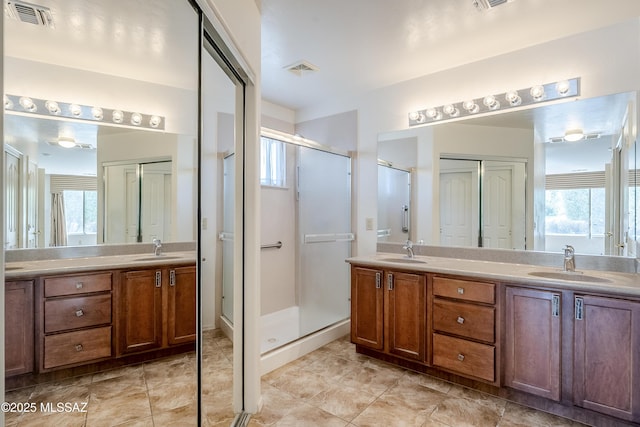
x=369 y=224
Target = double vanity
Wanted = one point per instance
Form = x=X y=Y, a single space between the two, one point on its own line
x=65 y=316
x=563 y=342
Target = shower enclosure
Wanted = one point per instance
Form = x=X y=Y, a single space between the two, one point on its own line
x=306 y=237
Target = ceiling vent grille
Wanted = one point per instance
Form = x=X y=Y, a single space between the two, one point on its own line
x=301 y=68
x=488 y=4
x=29 y=13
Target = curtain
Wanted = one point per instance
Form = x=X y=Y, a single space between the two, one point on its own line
x=58 y=222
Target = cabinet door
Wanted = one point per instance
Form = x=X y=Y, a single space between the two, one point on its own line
x=140 y=317
x=405 y=312
x=366 y=307
x=607 y=356
x=18 y=327
x=532 y=346
x=182 y=305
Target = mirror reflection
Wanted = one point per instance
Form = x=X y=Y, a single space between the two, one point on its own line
x=103 y=187
x=512 y=180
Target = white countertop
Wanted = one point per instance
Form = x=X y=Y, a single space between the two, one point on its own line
x=583 y=279
x=19 y=270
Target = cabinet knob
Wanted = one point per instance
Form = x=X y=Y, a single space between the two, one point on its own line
x=79 y=347
x=79 y=285
x=460 y=320
x=79 y=313
x=460 y=357
x=461 y=291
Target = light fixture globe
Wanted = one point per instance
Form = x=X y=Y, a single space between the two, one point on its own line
x=513 y=98
x=117 y=116
x=66 y=142
x=97 y=113
x=432 y=113
x=471 y=106
x=136 y=119
x=28 y=104
x=75 y=110
x=155 y=121
x=53 y=107
x=563 y=87
x=537 y=92
x=573 y=135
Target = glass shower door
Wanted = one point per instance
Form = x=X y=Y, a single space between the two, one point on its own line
x=324 y=230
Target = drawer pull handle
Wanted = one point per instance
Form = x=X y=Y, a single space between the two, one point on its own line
x=79 y=313
x=460 y=320
x=79 y=285
x=461 y=357
x=461 y=291
x=79 y=347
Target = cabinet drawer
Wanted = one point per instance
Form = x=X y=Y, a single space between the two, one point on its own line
x=466 y=357
x=77 y=312
x=73 y=285
x=77 y=347
x=464 y=290
x=467 y=320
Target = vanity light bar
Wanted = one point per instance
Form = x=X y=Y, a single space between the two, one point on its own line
x=503 y=101
x=49 y=108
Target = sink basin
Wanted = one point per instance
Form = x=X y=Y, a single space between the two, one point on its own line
x=572 y=277
x=157 y=258
x=404 y=260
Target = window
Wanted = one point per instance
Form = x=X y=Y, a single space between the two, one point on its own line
x=81 y=211
x=576 y=211
x=273 y=167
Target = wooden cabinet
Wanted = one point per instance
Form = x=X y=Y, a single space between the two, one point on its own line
x=464 y=327
x=606 y=375
x=156 y=309
x=388 y=311
x=532 y=341
x=367 y=307
x=76 y=320
x=405 y=312
x=18 y=327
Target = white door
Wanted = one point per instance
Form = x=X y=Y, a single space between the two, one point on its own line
x=155 y=201
x=459 y=206
x=132 y=203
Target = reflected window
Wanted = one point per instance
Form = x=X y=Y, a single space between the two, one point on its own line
x=575 y=212
x=81 y=211
x=272 y=163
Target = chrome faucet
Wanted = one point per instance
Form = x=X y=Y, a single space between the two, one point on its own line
x=157 y=247
x=409 y=248
x=569 y=259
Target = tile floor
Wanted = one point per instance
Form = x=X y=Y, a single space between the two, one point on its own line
x=332 y=386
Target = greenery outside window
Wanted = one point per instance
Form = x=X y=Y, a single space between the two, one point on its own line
x=81 y=211
x=272 y=162
x=575 y=212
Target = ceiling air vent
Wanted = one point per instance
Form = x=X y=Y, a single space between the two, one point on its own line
x=29 y=13
x=488 y=4
x=301 y=68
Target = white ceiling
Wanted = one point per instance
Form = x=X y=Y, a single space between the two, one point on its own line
x=358 y=45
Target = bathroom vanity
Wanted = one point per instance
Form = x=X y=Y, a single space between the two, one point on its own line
x=66 y=314
x=567 y=343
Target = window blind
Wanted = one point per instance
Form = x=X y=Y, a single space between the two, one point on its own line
x=60 y=183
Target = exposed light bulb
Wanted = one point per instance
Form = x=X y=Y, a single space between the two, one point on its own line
x=28 y=104
x=537 y=92
x=433 y=114
x=53 y=107
x=117 y=116
x=136 y=119
x=491 y=102
x=513 y=98
x=471 y=106
x=451 y=110
x=8 y=104
x=563 y=87
x=414 y=115
x=97 y=113
x=155 y=121
x=75 y=110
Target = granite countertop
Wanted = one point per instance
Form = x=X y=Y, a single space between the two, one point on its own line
x=583 y=279
x=27 y=269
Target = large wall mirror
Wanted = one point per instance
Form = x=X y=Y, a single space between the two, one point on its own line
x=512 y=181
x=99 y=127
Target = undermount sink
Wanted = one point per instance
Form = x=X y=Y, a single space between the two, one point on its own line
x=157 y=258
x=570 y=276
x=404 y=260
